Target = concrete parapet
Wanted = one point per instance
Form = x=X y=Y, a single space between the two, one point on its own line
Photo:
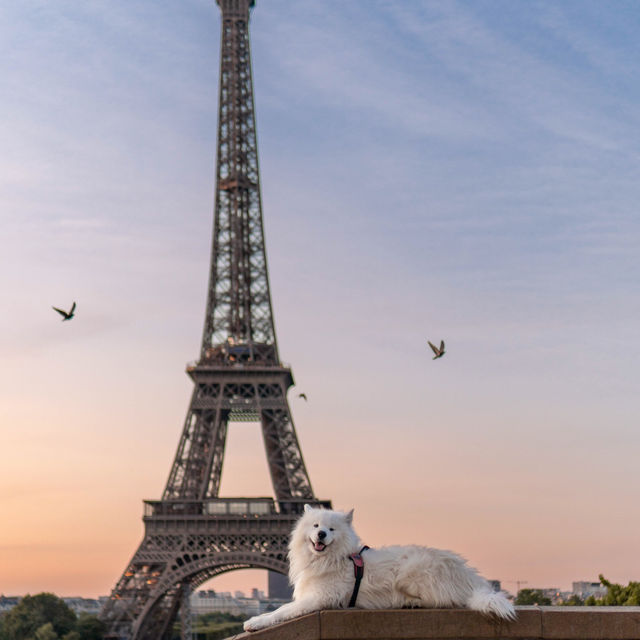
x=533 y=623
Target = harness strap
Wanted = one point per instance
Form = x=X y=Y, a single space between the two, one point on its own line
x=358 y=570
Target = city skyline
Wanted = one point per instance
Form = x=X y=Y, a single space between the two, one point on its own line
x=429 y=171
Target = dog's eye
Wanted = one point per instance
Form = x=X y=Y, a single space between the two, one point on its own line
x=315 y=525
x=330 y=528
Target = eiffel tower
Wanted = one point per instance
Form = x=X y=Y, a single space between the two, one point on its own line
x=192 y=534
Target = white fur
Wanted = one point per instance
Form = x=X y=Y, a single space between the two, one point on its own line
x=394 y=577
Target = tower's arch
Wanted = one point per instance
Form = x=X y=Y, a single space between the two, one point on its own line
x=195 y=572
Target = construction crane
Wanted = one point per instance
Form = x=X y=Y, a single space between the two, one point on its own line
x=517 y=583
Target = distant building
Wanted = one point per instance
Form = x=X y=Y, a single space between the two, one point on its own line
x=554 y=594
x=279 y=587
x=210 y=601
x=84 y=605
x=8 y=602
x=237 y=605
x=585 y=589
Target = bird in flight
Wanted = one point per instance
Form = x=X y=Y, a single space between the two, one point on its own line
x=303 y=396
x=66 y=315
x=438 y=351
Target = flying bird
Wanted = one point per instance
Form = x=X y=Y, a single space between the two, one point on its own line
x=66 y=315
x=303 y=396
x=438 y=351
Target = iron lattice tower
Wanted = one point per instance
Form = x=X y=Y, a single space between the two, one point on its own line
x=192 y=534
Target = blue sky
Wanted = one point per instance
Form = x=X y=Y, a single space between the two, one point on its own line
x=456 y=170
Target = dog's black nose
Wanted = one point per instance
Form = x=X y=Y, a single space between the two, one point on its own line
x=322 y=534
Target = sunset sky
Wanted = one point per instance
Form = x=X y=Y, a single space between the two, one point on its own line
x=466 y=171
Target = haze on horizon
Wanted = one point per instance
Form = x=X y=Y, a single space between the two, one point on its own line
x=430 y=170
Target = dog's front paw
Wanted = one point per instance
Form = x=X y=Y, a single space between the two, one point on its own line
x=256 y=623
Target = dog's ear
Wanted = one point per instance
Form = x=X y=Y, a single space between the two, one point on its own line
x=307 y=508
x=349 y=516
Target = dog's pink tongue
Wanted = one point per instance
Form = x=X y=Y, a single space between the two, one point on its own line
x=319 y=546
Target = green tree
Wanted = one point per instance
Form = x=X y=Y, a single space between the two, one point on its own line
x=617 y=595
x=573 y=601
x=34 y=612
x=219 y=616
x=532 y=596
x=45 y=632
x=215 y=625
x=89 y=627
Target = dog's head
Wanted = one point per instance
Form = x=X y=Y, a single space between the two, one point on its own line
x=323 y=532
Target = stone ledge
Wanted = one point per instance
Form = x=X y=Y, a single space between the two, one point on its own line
x=533 y=623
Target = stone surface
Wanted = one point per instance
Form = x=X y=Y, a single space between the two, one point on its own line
x=591 y=623
x=418 y=624
x=533 y=623
x=303 y=628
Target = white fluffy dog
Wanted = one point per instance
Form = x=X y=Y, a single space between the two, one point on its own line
x=322 y=573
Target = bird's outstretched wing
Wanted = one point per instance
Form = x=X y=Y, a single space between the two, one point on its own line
x=73 y=308
x=434 y=348
x=61 y=312
x=441 y=341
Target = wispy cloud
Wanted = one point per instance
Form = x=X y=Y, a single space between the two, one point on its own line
x=524 y=157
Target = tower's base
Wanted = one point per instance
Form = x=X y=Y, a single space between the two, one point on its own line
x=188 y=542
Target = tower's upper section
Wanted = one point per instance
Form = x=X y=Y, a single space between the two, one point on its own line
x=238 y=325
x=235 y=8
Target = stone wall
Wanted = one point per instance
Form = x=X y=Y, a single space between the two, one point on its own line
x=533 y=623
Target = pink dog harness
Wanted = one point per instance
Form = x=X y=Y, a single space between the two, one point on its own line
x=358 y=570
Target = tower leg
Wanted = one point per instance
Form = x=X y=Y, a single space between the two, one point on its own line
x=288 y=472
x=186 y=632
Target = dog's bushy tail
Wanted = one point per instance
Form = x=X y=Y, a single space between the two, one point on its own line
x=492 y=602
